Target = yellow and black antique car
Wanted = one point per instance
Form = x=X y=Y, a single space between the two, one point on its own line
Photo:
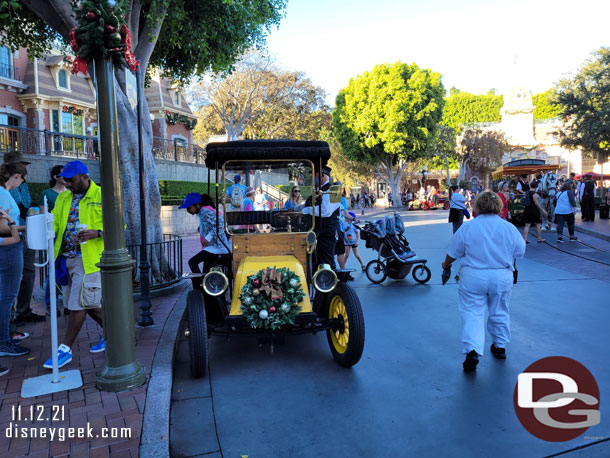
x=270 y=283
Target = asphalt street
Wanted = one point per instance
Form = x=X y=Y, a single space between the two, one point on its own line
x=408 y=396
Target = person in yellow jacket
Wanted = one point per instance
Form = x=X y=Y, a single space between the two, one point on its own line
x=79 y=239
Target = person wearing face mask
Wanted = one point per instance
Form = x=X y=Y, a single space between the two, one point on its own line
x=12 y=175
x=327 y=226
x=79 y=238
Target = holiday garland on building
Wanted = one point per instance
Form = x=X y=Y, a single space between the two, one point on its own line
x=101 y=30
x=270 y=299
x=73 y=110
x=175 y=118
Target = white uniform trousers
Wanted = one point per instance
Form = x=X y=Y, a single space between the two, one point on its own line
x=480 y=290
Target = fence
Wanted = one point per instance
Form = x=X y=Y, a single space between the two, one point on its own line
x=47 y=143
x=177 y=150
x=167 y=253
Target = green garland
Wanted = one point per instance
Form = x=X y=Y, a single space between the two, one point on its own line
x=175 y=118
x=270 y=299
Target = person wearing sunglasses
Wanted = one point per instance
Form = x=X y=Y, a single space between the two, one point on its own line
x=295 y=198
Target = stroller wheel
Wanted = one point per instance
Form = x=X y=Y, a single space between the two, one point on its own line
x=376 y=271
x=421 y=273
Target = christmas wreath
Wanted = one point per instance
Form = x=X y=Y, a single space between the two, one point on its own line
x=101 y=29
x=270 y=299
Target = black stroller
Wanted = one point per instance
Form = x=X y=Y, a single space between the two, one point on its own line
x=395 y=258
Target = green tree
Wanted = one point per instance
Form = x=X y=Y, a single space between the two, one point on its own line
x=585 y=105
x=545 y=107
x=388 y=116
x=465 y=108
x=442 y=150
x=180 y=37
x=480 y=151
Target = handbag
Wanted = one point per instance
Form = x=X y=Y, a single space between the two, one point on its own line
x=515 y=273
x=466 y=213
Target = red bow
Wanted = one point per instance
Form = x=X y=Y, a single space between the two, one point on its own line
x=272 y=280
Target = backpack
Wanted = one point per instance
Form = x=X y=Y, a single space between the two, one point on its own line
x=350 y=234
x=527 y=199
x=237 y=196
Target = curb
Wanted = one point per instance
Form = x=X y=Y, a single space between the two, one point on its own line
x=154 y=441
x=592 y=233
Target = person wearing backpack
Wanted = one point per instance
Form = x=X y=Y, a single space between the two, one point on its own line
x=351 y=237
x=531 y=214
x=236 y=193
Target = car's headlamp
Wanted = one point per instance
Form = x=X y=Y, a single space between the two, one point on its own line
x=215 y=283
x=325 y=279
x=311 y=241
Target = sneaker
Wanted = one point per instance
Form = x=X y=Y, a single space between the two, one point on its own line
x=64 y=356
x=101 y=346
x=18 y=335
x=31 y=317
x=13 y=349
x=471 y=361
x=573 y=239
x=499 y=353
x=560 y=240
x=3 y=370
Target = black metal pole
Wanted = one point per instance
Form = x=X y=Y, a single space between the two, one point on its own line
x=145 y=305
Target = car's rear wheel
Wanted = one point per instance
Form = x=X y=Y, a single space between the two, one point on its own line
x=346 y=338
x=198 y=334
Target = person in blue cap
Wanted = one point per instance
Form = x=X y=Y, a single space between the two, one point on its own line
x=236 y=193
x=212 y=244
x=79 y=238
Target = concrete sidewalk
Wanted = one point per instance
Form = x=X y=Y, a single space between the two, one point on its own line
x=86 y=406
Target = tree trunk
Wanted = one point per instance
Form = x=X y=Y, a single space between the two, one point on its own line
x=130 y=182
x=447 y=167
x=387 y=173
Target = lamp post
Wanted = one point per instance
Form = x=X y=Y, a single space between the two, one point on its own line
x=121 y=369
x=424 y=174
x=145 y=306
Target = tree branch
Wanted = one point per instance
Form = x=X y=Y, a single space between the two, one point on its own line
x=57 y=14
x=148 y=36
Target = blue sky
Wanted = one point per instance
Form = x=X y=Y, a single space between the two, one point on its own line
x=472 y=43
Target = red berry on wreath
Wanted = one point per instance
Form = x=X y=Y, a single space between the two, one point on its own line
x=256 y=283
x=90 y=16
x=110 y=29
x=272 y=309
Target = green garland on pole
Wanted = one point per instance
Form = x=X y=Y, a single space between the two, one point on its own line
x=270 y=299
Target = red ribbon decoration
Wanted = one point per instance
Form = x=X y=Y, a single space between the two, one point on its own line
x=129 y=55
x=272 y=280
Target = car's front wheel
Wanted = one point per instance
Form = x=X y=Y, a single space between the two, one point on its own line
x=346 y=338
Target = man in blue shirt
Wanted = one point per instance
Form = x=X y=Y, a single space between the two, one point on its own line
x=23 y=311
x=236 y=193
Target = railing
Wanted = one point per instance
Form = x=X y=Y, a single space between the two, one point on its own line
x=47 y=143
x=176 y=150
x=166 y=258
x=166 y=261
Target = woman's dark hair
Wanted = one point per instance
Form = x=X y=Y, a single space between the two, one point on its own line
x=454 y=187
x=10 y=169
x=56 y=170
x=207 y=201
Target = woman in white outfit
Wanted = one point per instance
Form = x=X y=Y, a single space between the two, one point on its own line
x=487 y=248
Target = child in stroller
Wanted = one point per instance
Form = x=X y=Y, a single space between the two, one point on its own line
x=395 y=257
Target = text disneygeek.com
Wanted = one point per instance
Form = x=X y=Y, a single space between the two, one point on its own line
x=14 y=431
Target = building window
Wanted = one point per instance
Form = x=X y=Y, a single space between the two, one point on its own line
x=6 y=63
x=9 y=120
x=70 y=123
x=62 y=78
x=177 y=98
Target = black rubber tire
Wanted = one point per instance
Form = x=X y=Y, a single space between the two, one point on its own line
x=378 y=265
x=198 y=334
x=424 y=276
x=352 y=352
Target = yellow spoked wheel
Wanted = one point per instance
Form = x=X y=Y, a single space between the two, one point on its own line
x=346 y=338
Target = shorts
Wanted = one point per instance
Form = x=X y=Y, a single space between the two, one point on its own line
x=83 y=291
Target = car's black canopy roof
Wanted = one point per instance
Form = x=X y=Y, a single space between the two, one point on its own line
x=261 y=150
